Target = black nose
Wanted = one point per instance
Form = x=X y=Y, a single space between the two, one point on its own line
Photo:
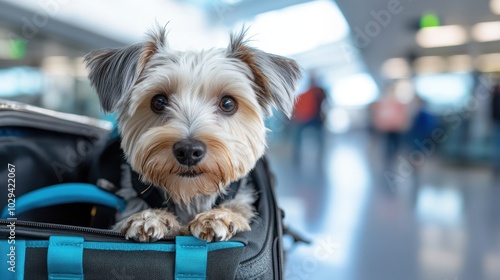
x=189 y=152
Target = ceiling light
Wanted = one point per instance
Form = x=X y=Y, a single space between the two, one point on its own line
x=338 y=121
x=447 y=89
x=495 y=6
x=441 y=36
x=486 y=31
x=430 y=64
x=281 y=32
x=396 y=68
x=460 y=63
x=79 y=66
x=57 y=66
x=355 y=90
x=404 y=91
x=489 y=62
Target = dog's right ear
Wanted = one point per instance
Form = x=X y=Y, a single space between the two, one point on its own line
x=276 y=77
x=113 y=72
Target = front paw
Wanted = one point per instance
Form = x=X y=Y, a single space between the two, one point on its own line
x=218 y=224
x=149 y=226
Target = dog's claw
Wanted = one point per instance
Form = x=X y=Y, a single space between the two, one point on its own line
x=168 y=224
x=149 y=226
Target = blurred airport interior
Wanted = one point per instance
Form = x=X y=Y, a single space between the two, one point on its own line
x=391 y=163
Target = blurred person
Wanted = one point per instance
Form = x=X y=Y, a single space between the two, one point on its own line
x=496 y=131
x=308 y=114
x=390 y=118
x=422 y=124
x=468 y=118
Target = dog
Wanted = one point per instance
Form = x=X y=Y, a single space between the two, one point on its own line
x=191 y=123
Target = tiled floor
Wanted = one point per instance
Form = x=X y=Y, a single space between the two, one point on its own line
x=435 y=222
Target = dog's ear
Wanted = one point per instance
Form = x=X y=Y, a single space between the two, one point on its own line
x=276 y=77
x=113 y=72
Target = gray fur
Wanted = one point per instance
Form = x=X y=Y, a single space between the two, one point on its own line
x=244 y=199
x=283 y=75
x=135 y=204
x=158 y=36
x=186 y=213
x=113 y=72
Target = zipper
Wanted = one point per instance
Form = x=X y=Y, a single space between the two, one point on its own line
x=38 y=230
x=47 y=226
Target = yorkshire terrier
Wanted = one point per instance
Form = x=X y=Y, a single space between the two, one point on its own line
x=190 y=124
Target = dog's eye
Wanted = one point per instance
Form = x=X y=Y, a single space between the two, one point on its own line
x=159 y=103
x=228 y=105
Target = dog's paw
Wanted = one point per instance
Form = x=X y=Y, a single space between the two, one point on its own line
x=218 y=224
x=149 y=226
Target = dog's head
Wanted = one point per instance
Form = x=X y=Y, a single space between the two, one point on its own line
x=192 y=122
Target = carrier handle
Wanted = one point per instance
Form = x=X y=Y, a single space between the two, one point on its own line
x=62 y=194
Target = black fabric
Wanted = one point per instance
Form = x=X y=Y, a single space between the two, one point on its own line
x=259 y=259
x=35 y=265
x=128 y=265
x=223 y=264
x=148 y=193
x=495 y=104
x=230 y=194
x=107 y=163
x=151 y=265
x=43 y=158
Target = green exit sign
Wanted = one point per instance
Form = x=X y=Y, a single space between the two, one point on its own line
x=429 y=20
x=17 y=49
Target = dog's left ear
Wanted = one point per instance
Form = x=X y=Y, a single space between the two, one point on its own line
x=113 y=72
x=276 y=77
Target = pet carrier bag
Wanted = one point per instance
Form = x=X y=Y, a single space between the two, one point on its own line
x=55 y=221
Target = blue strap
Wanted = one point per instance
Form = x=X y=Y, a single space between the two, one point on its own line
x=126 y=246
x=190 y=258
x=12 y=259
x=63 y=194
x=65 y=258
